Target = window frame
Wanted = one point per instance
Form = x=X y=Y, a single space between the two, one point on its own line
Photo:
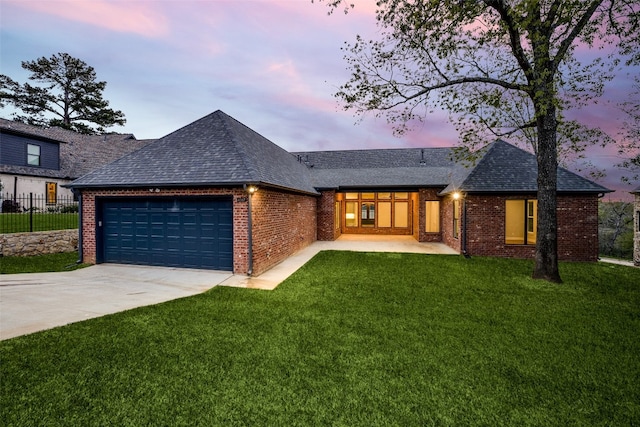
x=527 y=223
x=32 y=156
x=456 y=218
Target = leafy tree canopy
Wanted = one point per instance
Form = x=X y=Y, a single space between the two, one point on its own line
x=68 y=96
x=502 y=68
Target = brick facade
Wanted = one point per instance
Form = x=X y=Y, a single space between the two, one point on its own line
x=327 y=227
x=282 y=223
x=577 y=228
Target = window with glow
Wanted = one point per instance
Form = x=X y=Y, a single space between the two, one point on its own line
x=432 y=212
x=336 y=218
x=52 y=193
x=368 y=215
x=456 y=218
x=521 y=222
x=33 y=155
x=351 y=219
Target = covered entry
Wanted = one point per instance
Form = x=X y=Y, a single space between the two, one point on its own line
x=171 y=232
x=384 y=212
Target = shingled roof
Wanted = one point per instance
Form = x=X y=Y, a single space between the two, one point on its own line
x=79 y=153
x=218 y=150
x=389 y=168
x=506 y=168
x=214 y=150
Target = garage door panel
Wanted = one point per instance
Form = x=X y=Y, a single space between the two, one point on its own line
x=196 y=233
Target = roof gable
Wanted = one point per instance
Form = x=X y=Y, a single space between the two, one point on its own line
x=506 y=168
x=214 y=150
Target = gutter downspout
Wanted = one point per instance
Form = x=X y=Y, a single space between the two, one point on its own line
x=80 y=252
x=464 y=228
x=250 y=237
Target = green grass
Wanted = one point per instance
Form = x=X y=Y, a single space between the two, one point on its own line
x=20 y=222
x=39 y=264
x=349 y=340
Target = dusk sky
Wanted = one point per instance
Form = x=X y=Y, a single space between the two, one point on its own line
x=274 y=65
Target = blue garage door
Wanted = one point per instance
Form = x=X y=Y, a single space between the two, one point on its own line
x=177 y=232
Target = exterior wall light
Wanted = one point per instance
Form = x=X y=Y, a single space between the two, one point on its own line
x=456 y=195
x=252 y=189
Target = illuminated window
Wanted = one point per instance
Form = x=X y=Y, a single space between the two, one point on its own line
x=368 y=214
x=432 y=213
x=351 y=196
x=33 y=155
x=384 y=214
x=351 y=220
x=52 y=193
x=521 y=222
x=402 y=195
x=336 y=218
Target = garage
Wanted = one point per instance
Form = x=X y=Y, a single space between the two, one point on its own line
x=171 y=232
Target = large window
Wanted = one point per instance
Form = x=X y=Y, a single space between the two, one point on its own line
x=521 y=222
x=33 y=155
x=390 y=210
x=432 y=212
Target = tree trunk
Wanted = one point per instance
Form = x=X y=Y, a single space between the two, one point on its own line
x=546 y=266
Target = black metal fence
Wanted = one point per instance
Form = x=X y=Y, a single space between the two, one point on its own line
x=37 y=212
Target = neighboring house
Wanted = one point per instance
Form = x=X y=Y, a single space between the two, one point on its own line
x=215 y=194
x=636 y=227
x=40 y=160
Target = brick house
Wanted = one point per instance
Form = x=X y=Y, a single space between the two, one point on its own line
x=215 y=194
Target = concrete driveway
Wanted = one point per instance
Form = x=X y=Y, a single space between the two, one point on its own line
x=38 y=301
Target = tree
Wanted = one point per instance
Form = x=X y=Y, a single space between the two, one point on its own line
x=70 y=93
x=501 y=68
x=615 y=231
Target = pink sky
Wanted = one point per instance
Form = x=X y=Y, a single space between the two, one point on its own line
x=272 y=64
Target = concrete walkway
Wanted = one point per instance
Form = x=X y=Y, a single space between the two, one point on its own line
x=39 y=301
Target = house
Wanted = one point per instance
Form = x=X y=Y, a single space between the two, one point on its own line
x=215 y=194
x=636 y=226
x=40 y=160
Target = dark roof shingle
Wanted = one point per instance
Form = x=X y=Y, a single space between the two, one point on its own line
x=214 y=150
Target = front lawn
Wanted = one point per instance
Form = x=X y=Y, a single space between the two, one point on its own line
x=351 y=339
x=24 y=222
x=39 y=264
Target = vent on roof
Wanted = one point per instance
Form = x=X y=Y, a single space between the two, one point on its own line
x=422 y=160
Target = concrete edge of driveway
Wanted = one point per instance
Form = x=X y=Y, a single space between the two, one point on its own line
x=39 y=301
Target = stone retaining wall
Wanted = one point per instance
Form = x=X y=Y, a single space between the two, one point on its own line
x=38 y=243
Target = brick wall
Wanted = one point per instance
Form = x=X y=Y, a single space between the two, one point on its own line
x=283 y=223
x=577 y=228
x=427 y=194
x=327 y=229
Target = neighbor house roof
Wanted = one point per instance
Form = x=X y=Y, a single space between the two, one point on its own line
x=79 y=153
x=214 y=150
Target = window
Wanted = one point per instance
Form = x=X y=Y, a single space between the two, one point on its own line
x=33 y=155
x=456 y=219
x=52 y=193
x=336 y=216
x=351 y=220
x=368 y=214
x=521 y=222
x=432 y=212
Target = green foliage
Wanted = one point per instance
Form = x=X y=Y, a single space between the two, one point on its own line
x=351 y=339
x=70 y=96
x=39 y=264
x=615 y=229
x=21 y=222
